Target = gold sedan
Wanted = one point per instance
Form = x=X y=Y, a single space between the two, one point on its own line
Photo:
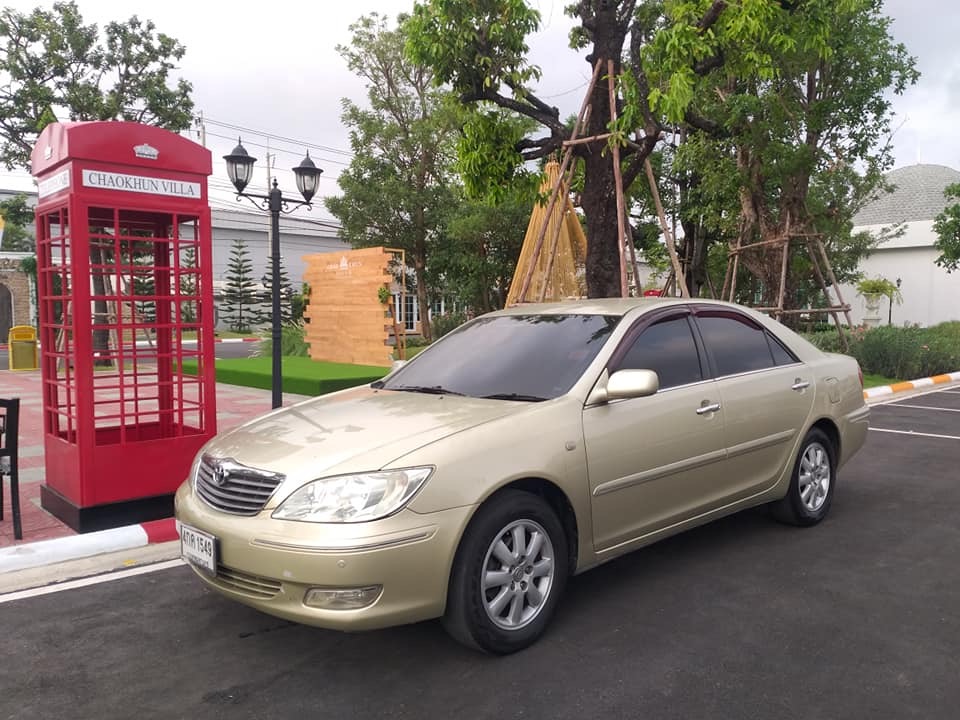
x=527 y=445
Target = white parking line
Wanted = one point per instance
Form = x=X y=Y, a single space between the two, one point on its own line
x=926 y=407
x=84 y=582
x=918 y=434
x=951 y=392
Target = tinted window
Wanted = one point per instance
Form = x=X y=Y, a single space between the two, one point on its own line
x=735 y=343
x=781 y=356
x=537 y=356
x=668 y=348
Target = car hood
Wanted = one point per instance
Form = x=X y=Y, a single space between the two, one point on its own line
x=354 y=430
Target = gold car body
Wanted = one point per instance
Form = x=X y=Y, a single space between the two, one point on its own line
x=622 y=489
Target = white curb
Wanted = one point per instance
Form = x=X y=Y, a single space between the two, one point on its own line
x=48 y=552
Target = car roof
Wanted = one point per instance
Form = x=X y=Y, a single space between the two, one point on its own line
x=602 y=306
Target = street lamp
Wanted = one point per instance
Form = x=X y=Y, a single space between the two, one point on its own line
x=890 y=305
x=240 y=171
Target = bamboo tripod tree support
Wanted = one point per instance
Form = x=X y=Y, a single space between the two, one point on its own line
x=530 y=258
x=822 y=269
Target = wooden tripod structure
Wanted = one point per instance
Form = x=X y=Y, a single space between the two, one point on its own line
x=532 y=270
x=822 y=269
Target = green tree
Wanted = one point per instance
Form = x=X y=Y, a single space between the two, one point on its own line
x=947 y=227
x=188 y=284
x=286 y=292
x=144 y=285
x=399 y=185
x=17 y=224
x=667 y=52
x=53 y=66
x=241 y=304
x=799 y=152
x=476 y=262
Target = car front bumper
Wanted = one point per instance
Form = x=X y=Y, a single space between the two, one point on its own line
x=272 y=564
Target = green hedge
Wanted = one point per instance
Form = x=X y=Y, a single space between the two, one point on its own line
x=899 y=352
x=300 y=375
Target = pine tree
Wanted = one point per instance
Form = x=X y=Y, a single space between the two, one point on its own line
x=143 y=282
x=239 y=296
x=188 y=284
x=286 y=292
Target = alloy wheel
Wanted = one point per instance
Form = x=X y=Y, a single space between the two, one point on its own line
x=815 y=477
x=517 y=574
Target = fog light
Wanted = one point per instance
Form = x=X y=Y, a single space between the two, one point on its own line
x=342 y=598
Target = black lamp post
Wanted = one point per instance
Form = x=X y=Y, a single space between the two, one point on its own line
x=890 y=305
x=240 y=170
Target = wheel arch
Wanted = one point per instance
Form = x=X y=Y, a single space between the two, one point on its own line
x=558 y=501
x=830 y=429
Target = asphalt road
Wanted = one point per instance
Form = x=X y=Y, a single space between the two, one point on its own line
x=858 y=617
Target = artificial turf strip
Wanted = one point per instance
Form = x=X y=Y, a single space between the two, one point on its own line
x=301 y=375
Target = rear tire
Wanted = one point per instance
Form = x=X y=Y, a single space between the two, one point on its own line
x=509 y=573
x=814 y=478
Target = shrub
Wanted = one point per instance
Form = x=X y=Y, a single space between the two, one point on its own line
x=890 y=351
x=828 y=340
x=292 y=342
x=442 y=324
x=940 y=351
x=899 y=352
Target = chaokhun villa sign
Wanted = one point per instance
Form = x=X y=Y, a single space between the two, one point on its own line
x=140 y=184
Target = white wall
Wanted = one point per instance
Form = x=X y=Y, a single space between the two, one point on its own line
x=931 y=295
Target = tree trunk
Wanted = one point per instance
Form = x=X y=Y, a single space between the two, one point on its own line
x=599 y=186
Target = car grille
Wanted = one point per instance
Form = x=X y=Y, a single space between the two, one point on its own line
x=227 y=485
x=245 y=583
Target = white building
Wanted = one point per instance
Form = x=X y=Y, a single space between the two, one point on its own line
x=930 y=294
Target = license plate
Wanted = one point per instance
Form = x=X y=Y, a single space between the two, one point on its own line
x=199 y=549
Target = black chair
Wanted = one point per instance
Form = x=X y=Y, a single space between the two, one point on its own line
x=9 y=432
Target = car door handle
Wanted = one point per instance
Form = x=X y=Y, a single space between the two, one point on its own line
x=704 y=409
x=799 y=385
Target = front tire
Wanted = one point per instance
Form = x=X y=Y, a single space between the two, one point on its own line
x=814 y=478
x=508 y=575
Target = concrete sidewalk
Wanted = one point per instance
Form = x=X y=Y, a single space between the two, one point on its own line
x=235 y=405
x=47 y=541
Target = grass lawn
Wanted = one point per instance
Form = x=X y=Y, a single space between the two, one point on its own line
x=301 y=375
x=870 y=381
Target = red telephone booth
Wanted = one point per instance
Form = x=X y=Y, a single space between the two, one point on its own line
x=124 y=278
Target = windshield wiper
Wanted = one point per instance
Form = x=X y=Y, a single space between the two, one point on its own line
x=515 y=396
x=427 y=389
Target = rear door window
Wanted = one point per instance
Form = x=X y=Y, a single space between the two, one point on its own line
x=735 y=343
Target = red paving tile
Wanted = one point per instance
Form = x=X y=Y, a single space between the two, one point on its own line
x=235 y=404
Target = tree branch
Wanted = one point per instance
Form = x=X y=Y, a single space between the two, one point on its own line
x=708 y=126
x=547 y=119
x=712 y=15
x=645 y=147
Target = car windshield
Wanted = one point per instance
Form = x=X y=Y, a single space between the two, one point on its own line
x=508 y=357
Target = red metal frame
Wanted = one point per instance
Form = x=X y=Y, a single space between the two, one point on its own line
x=122 y=209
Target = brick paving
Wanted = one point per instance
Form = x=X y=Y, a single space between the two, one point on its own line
x=235 y=405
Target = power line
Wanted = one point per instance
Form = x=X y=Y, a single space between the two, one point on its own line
x=276 y=149
x=281 y=138
x=255 y=219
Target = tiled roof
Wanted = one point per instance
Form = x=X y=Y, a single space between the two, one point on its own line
x=917 y=195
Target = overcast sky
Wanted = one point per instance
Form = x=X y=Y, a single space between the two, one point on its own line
x=273 y=68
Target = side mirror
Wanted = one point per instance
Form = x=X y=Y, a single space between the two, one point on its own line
x=625 y=384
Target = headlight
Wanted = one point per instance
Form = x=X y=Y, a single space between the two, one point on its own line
x=353 y=498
